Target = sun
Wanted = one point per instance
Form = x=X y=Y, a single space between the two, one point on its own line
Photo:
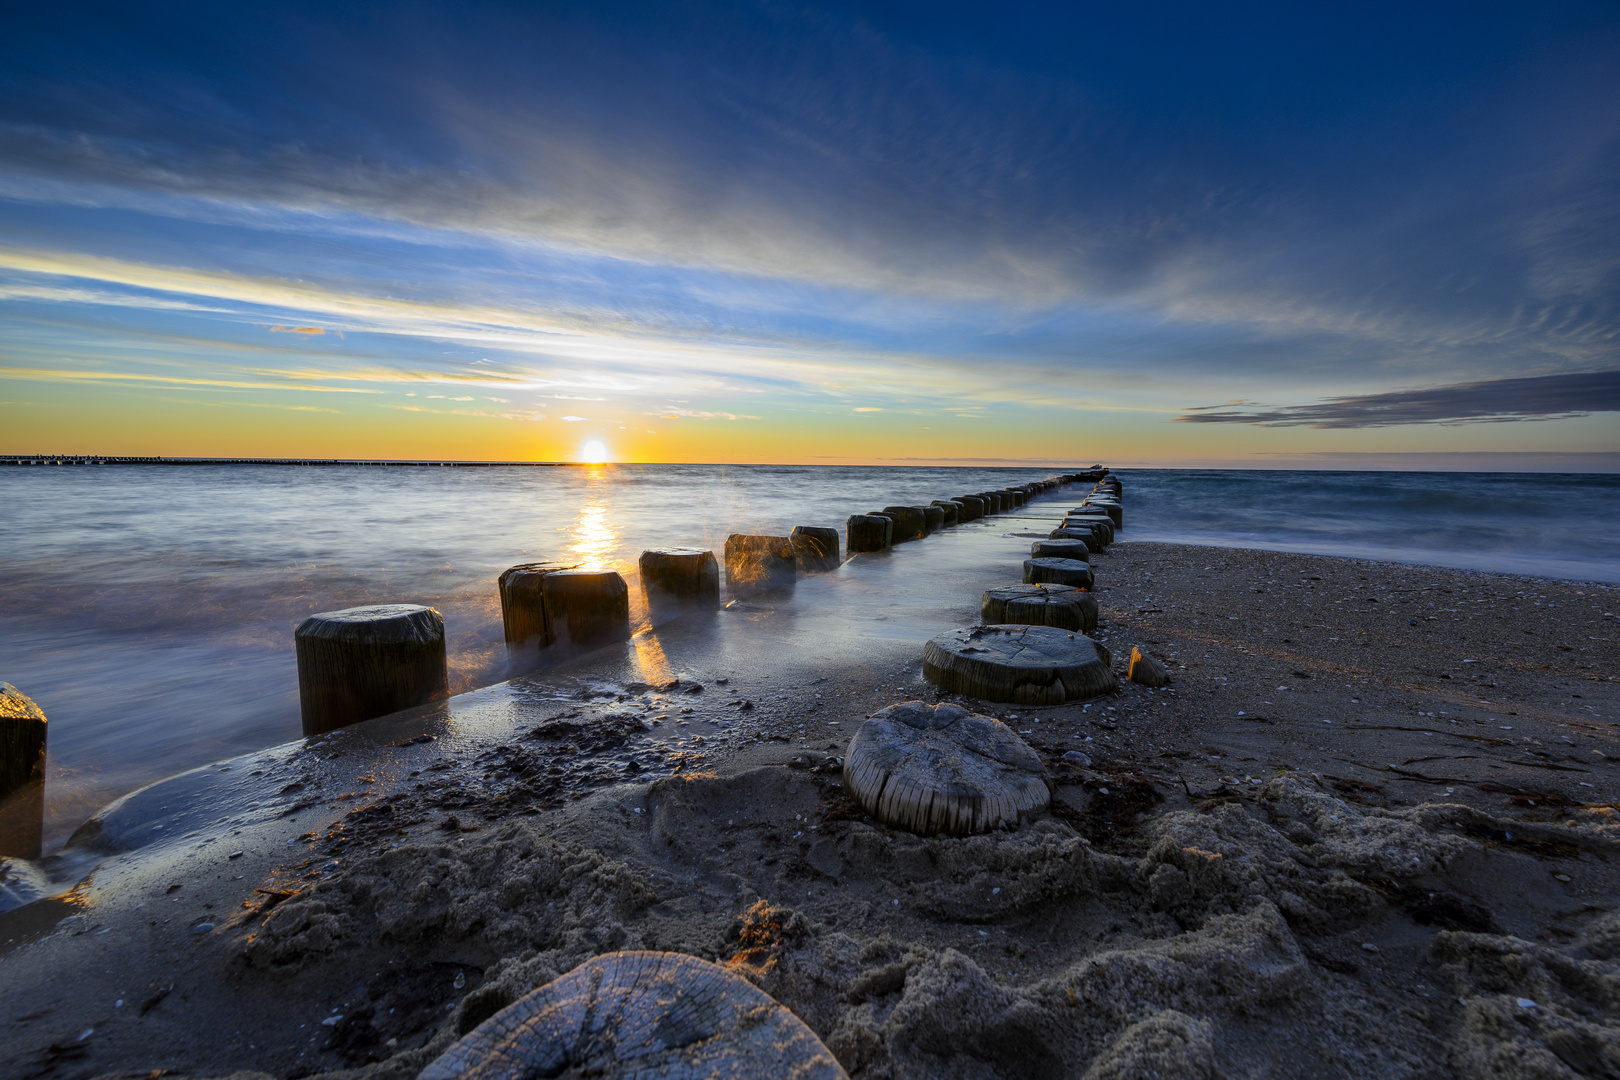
x=594 y=452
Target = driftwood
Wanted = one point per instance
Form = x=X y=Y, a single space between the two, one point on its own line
x=588 y=607
x=523 y=602
x=641 y=1014
x=1059 y=572
x=368 y=661
x=1029 y=665
x=680 y=576
x=932 y=770
x=815 y=550
x=1060 y=549
x=1062 y=606
x=22 y=774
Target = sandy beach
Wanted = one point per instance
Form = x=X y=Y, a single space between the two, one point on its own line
x=1368 y=831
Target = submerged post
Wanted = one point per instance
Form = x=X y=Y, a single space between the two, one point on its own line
x=588 y=607
x=22 y=774
x=677 y=577
x=815 y=550
x=368 y=661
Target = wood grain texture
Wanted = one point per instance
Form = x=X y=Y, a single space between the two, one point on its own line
x=868 y=532
x=1028 y=665
x=1060 y=549
x=22 y=774
x=935 y=770
x=1059 y=572
x=523 y=603
x=1062 y=606
x=362 y=662
x=588 y=607
x=639 y=1015
x=682 y=575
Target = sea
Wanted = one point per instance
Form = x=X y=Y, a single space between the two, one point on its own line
x=149 y=609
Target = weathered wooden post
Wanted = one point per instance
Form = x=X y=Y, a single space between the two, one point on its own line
x=680 y=577
x=933 y=518
x=587 y=607
x=523 y=602
x=815 y=550
x=952 y=511
x=868 y=532
x=759 y=564
x=909 y=522
x=368 y=661
x=975 y=506
x=22 y=774
x=1059 y=572
x=1060 y=549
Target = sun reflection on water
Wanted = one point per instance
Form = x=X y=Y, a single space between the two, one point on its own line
x=594 y=539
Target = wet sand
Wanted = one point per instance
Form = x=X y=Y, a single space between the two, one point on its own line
x=1369 y=831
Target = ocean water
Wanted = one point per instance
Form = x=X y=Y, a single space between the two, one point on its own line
x=150 y=609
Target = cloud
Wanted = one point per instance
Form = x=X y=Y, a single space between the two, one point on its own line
x=296 y=330
x=676 y=413
x=1490 y=401
x=868 y=408
x=575 y=419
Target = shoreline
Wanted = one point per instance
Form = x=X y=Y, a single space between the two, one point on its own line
x=1214 y=879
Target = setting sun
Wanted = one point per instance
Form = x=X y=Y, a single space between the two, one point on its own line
x=594 y=452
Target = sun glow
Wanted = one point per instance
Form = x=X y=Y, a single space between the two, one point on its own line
x=594 y=452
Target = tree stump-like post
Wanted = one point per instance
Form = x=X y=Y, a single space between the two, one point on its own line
x=815 y=550
x=22 y=774
x=588 y=607
x=680 y=577
x=952 y=510
x=1087 y=536
x=370 y=661
x=933 y=518
x=523 y=602
x=757 y=564
x=935 y=770
x=1059 y=572
x=1060 y=549
x=975 y=507
x=1115 y=511
x=641 y=1014
x=1062 y=606
x=909 y=522
x=1028 y=665
x=868 y=532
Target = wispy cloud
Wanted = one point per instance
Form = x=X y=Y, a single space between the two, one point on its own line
x=296 y=330
x=1541 y=397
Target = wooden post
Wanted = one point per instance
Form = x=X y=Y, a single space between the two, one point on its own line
x=952 y=511
x=909 y=522
x=868 y=532
x=815 y=550
x=588 y=607
x=759 y=564
x=22 y=774
x=368 y=661
x=975 y=507
x=523 y=602
x=680 y=577
x=933 y=518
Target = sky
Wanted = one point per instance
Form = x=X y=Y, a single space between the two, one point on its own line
x=1174 y=234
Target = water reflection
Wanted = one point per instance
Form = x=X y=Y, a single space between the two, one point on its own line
x=595 y=538
x=651 y=659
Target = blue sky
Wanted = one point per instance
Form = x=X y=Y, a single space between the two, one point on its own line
x=790 y=232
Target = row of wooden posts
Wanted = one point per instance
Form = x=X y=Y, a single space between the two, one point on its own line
x=364 y=662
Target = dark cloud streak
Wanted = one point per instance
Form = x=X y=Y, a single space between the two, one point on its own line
x=1541 y=397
